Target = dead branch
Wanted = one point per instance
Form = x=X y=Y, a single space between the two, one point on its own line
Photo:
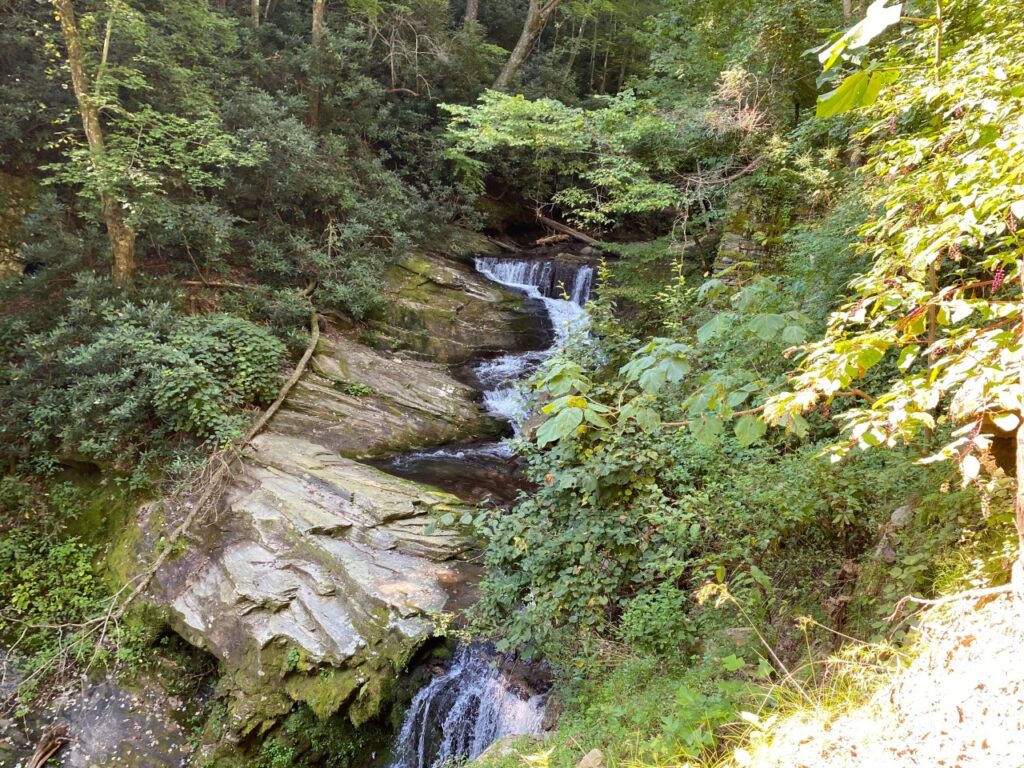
x=49 y=745
x=552 y=239
x=503 y=245
x=969 y=594
x=217 y=284
x=565 y=229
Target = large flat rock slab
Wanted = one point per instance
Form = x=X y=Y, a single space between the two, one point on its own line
x=361 y=402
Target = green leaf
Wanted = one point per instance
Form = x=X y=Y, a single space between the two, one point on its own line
x=767 y=326
x=562 y=425
x=706 y=429
x=858 y=90
x=794 y=334
x=878 y=18
x=732 y=662
x=713 y=327
x=749 y=429
x=647 y=418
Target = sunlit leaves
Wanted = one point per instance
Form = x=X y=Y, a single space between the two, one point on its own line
x=878 y=18
x=858 y=90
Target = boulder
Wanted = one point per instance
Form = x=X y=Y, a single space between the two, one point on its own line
x=441 y=308
x=315 y=583
x=360 y=402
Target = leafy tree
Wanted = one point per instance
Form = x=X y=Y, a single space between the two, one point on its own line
x=942 y=301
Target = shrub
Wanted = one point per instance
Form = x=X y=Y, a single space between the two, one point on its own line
x=114 y=377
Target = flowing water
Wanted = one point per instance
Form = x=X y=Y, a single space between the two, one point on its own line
x=464 y=710
x=487 y=470
x=475 y=701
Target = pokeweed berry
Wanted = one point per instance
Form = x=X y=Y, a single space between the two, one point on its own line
x=997 y=279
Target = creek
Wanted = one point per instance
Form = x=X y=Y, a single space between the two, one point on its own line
x=475 y=701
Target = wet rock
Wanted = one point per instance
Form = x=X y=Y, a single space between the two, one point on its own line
x=106 y=725
x=357 y=401
x=442 y=309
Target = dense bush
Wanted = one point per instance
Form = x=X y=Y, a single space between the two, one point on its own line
x=114 y=377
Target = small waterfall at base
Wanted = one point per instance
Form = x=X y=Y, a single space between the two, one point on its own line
x=463 y=711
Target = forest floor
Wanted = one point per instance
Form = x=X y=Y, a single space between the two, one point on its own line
x=958 y=703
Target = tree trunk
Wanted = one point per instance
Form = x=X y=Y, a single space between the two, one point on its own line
x=318 y=34
x=255 y=14
x=472 y=12
x=120 y=235
x=847 y=10
x=537 y=15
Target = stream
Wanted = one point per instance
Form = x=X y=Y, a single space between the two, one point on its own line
x=477 y=472
x=476 y=701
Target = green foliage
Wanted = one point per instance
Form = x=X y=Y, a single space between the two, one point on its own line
x=50 y=587
x=942 y=295
x=112 y=378
x=658 y=622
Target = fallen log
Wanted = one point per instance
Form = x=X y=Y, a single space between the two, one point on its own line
x=565 y=229
x=552 y=239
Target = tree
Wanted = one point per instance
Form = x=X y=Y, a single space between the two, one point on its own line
x=317 y=38
x=472 y=12
x=943 y=303
x=120 y=234
x=536 y=17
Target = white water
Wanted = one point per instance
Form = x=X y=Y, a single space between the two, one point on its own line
x=502 y=377
x=462 y=712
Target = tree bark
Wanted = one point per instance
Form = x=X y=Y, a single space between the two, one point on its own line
x=119 y=233
x=847 y=10
x=536 y=17
x=255 y=14
x=317 y=37
x=472 y=12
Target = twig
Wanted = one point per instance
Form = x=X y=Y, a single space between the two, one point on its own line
x=966 y=595
x=49 y=745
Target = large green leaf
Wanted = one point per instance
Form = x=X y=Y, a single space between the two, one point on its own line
x=749 y=429
x=858 y=90
x=562 y=425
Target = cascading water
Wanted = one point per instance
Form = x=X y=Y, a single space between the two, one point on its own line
x=482 y=470
x=463 y=711
x=564 y=303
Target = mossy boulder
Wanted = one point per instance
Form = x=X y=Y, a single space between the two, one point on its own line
x=315 y=583
x=440 y=308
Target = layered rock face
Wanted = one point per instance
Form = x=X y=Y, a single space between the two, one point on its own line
x=316 y=580
x=360 y=402
x=443 y=310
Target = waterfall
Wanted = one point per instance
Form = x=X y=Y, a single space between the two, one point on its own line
x=564 y=291
x=463 y=711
